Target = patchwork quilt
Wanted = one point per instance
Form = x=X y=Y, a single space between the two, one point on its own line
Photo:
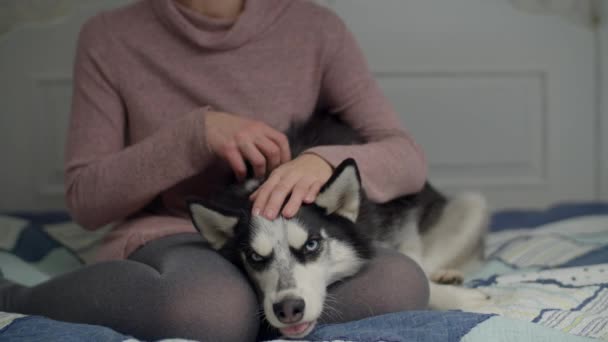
x=547 y=272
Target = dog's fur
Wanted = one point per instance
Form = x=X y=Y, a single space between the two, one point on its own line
x=292 y=261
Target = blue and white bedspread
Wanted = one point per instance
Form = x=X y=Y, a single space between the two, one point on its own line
x=547 y=273
x=555 y=275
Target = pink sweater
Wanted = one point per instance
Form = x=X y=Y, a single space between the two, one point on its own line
x=145 y=75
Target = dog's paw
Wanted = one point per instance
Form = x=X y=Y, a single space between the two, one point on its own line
x=450 y=297
x=448 y=277
x=473 y=300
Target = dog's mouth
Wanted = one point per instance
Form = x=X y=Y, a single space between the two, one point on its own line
x=298 y=330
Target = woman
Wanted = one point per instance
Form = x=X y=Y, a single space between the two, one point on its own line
x=173 y=96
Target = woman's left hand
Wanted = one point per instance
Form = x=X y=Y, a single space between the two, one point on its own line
x=301 y=177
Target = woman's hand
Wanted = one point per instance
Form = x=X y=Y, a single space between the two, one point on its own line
x=302 y=177
x=237 y=139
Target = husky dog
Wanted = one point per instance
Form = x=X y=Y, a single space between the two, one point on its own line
x=291 y=262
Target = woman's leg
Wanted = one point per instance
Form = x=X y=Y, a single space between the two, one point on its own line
x=392 y=282
x=171 y=287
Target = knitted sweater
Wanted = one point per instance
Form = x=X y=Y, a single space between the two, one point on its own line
x=146 y=74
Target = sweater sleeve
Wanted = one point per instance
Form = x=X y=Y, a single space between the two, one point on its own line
x=391 y=163
x=106 y=178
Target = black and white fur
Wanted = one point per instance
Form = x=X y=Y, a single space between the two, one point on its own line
x=291 y=262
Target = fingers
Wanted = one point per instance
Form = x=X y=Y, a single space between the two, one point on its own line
x=236 y=162
x=271 y=195
x=271 y=151
x=269 y=198
x=298 y=194
x=260 y=196
x=238 y=140
x=265 y=148
x=313 y=191
x=301 y=179
x=281 y=141
x=255 y=158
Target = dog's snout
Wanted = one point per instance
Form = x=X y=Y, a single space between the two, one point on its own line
x=289 y=310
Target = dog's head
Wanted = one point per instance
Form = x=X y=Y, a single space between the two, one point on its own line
x=292 y=261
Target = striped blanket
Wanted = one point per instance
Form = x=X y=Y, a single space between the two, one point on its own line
x=555 y=275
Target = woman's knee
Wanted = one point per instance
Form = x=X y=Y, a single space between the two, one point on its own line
x=391 y=282
x=400 y=282
x=197 y=294
x=227 y=311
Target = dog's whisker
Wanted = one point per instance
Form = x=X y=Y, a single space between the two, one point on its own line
x=330 y=309
x=261 y=314
x=330 y=296
x=328 y=306
x=331 y=299
x=333 y=309
x=332 y=313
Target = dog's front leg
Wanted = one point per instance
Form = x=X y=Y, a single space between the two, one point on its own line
x=411 y=241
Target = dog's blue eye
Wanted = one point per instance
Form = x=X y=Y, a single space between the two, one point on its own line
x=312 y=245
x=256 y=257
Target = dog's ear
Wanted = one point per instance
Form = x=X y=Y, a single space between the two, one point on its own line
x=215 y=226
x=341 y=194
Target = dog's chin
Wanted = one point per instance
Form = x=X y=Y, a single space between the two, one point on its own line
x=298 y=330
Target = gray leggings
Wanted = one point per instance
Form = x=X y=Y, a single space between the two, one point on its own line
x=176 y=287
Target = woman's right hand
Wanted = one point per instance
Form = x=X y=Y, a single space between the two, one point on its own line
x=237 y=139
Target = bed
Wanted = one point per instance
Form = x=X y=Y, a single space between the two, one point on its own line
x=547 y=271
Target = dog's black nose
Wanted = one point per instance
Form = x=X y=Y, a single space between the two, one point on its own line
x=289 y=310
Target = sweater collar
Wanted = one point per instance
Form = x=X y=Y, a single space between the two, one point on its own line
x=218 y=34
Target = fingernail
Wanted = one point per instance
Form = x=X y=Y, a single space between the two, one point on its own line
x=269 y=214
x=256 y=211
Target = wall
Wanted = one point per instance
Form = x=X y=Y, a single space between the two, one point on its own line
x=35 y=85
x=502 y=97
x=603 y=91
